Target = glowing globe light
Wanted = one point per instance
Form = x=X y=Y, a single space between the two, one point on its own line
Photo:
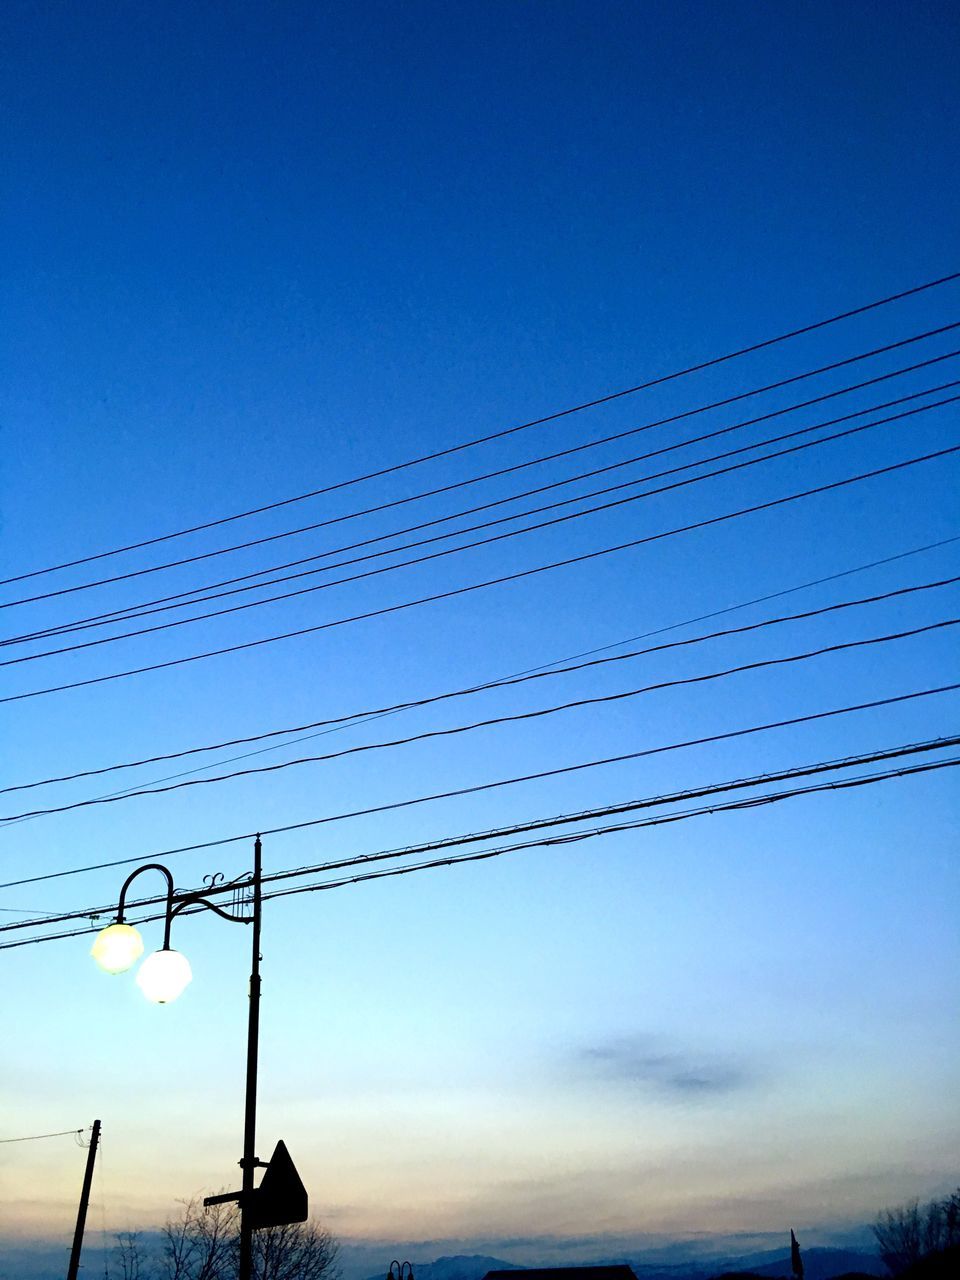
x=117 y=947
x=164 y=975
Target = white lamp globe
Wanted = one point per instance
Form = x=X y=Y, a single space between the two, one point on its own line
x=117 y=947
x=164 y=975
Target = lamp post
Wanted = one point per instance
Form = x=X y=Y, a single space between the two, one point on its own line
x=400 y=1270
x=164 y=975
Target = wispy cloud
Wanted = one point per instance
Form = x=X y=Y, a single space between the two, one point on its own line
x=674 y=1072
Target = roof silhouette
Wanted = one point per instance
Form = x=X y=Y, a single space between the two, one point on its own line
x=620 y=1272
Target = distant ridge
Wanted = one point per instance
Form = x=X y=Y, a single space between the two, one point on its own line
x=46 y=1260
x=772 y=1264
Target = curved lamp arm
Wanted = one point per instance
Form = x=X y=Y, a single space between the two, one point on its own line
x=168 y=915
x=199 y=898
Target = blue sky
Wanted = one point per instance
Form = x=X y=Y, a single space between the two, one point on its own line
x=253 y=250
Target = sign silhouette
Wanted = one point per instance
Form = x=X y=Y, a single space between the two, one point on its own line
x=281 y=1197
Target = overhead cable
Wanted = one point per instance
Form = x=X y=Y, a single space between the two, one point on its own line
x=713 y=362
x=745 y=604
x=517 y=717
x=361 y=721
x=201 y=595
x=477 y=586
x=545 y=673
x=483 y=542
x=695 y=793
x=592 y=443
x=42 y=920
x=35 y=1137
x=477 y=788
x=574 y=837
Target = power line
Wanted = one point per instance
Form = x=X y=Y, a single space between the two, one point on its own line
x=575 y=837
x=367 y=718
x=497 y=435
x=429 y=734
x=477 y=788
x=477 y=586
x=35 y=1137
x=525 y=828
x=182 y=598
x=745 y=604
x=361 y=719
x=483 y=542
x=695 y=793
x=542 y=459
x=504 y=682
x=480 y=542
x=566 y=838
x=195 y=596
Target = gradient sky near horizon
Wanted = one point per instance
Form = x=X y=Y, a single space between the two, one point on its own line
x=255 y=249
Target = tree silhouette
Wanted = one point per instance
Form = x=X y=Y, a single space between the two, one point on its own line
x=129 y=1255
x=912 y=1231
x=202 y=1243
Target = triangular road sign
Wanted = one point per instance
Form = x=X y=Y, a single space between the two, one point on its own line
x=281 y=1196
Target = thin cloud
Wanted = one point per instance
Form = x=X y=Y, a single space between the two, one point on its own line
x=680 y=1074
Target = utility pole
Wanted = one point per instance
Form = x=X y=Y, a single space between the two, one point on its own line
x=84 y=1201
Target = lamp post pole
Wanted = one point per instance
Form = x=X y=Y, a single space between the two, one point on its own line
x=249 y=1161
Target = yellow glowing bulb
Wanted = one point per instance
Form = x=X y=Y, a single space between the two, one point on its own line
x=164 y=975
x=117 y=947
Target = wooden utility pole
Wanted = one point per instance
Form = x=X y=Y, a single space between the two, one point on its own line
x=84 y=1201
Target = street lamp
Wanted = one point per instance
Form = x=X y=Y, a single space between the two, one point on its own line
x=400 y=1270
x=164 y=975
